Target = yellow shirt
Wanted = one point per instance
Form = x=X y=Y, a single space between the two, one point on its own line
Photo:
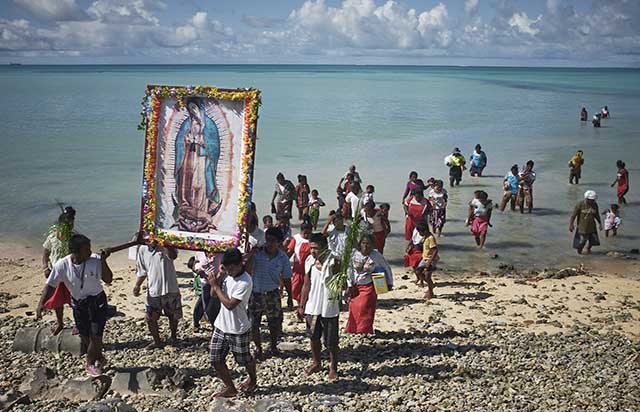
x=429 y=248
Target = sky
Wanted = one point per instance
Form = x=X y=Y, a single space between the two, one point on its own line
x=424 y=32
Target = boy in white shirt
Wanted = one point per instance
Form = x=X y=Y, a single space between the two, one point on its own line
x=82 y=274
x=336 y=233
x=321 y=312
x=368 y=194
x=232 y=328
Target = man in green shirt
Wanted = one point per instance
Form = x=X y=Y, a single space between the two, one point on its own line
x=586 y=214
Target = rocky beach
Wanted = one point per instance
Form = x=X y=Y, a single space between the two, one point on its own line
x=510 y=339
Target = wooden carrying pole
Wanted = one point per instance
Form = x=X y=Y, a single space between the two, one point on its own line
x=123 y=246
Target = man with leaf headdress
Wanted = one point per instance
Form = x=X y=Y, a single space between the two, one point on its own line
x=56 y=246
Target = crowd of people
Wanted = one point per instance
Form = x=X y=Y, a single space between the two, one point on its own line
x=239 y=287
x=596 y=121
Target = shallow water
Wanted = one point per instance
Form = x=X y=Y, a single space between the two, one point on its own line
x=70 y=135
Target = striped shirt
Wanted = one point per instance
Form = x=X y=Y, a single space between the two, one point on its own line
x=267 y=272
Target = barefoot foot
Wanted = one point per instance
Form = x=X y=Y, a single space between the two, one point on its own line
x=312 y=369
x=333 y=376
x=247 y=386
x=57 y=328
x=226 y=393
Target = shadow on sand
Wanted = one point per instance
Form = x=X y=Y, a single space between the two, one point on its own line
x=464 y=297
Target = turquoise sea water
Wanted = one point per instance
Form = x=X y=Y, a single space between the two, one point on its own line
x=69 y=134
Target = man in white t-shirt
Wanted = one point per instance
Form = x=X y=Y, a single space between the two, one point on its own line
x=232 y=328
x=320 y=310
x=155 y=263
x=82 y=274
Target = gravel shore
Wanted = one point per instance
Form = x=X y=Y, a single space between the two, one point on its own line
x=490 y=367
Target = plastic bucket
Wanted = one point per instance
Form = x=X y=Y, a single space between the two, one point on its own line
x=380 y=283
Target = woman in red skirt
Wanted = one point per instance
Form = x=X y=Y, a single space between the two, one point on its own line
x=416 y=209
x=362 y=293
x=299 y=249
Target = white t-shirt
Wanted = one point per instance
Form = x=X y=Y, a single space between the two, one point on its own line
x=318 y=302
x=159 y=270
x=235 y=321
x=314 y=203
x=366 y=198
x=416 y=237
x=257 y=238
x=438 y=199
x=337 y=239
x=132 y=252
x=479 y=209
x=353 y=200
x=65 y=271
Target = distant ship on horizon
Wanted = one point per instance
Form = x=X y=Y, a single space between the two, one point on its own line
x=15 y=64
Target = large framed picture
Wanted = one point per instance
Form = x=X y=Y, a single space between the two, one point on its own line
x=198 y=165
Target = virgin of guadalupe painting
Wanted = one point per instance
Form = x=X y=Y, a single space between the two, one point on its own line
x=198 y=172
x=197 y=149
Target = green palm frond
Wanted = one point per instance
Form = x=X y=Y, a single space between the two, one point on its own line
x=337 y=283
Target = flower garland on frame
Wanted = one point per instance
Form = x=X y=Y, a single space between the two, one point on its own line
x=150 y=115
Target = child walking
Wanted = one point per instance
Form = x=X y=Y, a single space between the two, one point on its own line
x=302 y=201
x=428 y=263
x=267 y=222
x=479 y=217
x=315 y=203
x=612 y=220
x=298 y=249
x=384 y=219
x=56 y=247
x=438 y=198
x=368 y=194
x=413 y=255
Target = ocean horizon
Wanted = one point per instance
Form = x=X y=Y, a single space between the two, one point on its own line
x=70 y=136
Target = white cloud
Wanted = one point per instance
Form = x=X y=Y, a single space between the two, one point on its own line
x=55 y=10
x=258 y=22
x=18 y=35
x=524 y=24
x=318 y=30
x=125 y=11
x=199 y=33
x=364 y=24
x=471 y=6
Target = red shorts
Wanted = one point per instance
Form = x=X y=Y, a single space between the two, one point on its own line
x=60 y=297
